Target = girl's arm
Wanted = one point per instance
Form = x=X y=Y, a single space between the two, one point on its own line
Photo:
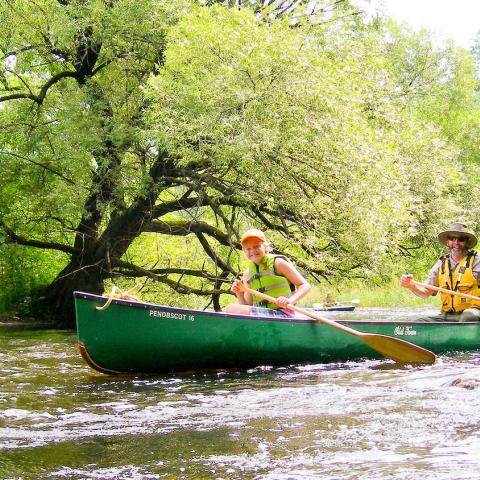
x=286 y=269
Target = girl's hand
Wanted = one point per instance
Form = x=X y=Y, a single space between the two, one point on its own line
x=282 y=301
x=237 y=287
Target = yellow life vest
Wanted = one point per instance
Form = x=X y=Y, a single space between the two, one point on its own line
x=264 y=279
x=460 y=280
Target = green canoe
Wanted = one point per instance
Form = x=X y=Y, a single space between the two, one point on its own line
x=139 y=337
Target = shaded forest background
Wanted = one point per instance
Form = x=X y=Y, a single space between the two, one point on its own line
x=138 y=138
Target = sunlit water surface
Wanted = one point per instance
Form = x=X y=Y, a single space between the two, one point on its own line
x=357 y=420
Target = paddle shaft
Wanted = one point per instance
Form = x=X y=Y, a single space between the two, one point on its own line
x=390 y=347
x=445 y=290
x=307 y=313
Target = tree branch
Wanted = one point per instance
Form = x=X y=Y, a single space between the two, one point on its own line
x=43 y=91
x=211 y=253
x=14 y=238
x=18 y=96
x=52 y=81
x=38 y=164
x=136 y=271
x=183 y=228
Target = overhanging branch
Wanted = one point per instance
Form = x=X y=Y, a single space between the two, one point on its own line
x=184 y=228
x=132 y=270
x=43 y=91
x=211 y=253
x=14 y=238
x=39 y=164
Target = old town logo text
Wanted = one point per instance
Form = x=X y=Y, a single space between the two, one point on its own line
x=404 y=330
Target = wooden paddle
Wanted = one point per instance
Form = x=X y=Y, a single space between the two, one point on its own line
x=445 y=290
x=390 y=347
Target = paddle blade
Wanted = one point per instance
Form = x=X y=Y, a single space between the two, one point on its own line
x=398 y=349
x=389 y=347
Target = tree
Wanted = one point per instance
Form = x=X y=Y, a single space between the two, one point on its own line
x=129 y=119
x=437 y=83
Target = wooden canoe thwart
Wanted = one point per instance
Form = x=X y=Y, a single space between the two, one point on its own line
x=138 y=337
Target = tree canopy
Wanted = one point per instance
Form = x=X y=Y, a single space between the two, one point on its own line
x=140 y=137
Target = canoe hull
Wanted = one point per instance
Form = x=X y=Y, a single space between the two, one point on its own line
x=145 y=338
x=336 y=308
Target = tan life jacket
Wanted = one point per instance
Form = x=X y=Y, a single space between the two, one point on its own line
x=460 y=280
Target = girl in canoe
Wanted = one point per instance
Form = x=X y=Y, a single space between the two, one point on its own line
x=268 y=273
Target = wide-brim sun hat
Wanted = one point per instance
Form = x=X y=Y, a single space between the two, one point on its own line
x=459 y=230
x=253 y=233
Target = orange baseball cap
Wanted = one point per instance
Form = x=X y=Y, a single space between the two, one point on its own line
x=253 y=233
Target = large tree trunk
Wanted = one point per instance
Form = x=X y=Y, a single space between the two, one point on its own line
x=94 y=254
x=55 y=302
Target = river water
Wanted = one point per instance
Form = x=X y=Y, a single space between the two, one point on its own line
x=357 y=420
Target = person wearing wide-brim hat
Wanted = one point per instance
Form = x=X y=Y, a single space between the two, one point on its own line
x=457 y=271
x=272 y=274
x=459 y=230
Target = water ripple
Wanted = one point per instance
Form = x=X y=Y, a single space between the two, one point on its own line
x=355 y=420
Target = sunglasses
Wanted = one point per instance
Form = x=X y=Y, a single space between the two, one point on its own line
x=459 y=239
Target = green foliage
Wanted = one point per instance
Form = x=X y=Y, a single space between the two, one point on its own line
x=22 y=270
x=438 y=83
x=147 y=133
x=315 y=128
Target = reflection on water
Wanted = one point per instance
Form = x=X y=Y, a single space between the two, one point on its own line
x=355 y=420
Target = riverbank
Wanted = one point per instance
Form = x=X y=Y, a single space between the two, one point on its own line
x=385 y=296
x=390 y=295
x=12 y=320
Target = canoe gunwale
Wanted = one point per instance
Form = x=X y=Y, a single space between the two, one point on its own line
x=152 y=306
